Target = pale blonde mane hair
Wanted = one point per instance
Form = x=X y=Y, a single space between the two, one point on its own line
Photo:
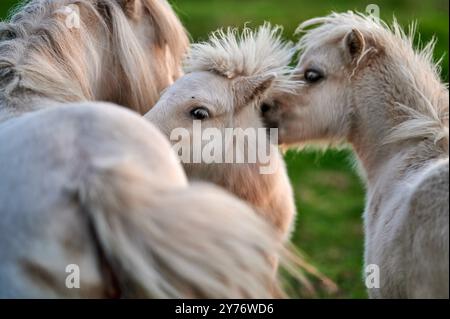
x=427 y=116
x=39 y=54
x=233 y=54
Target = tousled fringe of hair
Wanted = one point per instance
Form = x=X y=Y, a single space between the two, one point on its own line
x=233 y=53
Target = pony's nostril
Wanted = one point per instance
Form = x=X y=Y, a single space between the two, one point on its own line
x=265 y=108
x=269 y=115
x=270 y=123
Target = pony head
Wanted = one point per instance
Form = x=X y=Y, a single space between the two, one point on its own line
x=226 y=79
x=121 y=51
x=359 y=75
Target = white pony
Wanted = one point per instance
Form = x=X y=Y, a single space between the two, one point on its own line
x=226 y=80
x=83 y=187
x=364 y=83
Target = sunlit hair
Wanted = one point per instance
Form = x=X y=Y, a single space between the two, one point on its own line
x=39 y=54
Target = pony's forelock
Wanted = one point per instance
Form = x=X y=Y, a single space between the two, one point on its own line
x=231 y=53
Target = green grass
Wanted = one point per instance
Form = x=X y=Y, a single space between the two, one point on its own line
x=330 y=200
x=329 y=195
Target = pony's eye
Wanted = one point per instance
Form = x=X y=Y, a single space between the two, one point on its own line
x=312 y=76
x=7 y=35
x=200 y=113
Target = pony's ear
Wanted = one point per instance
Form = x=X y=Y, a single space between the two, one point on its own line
x=355 y=44
x=132 y=8
x=250 y=88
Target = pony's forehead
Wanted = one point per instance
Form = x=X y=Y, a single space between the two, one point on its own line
x=199 y=84
x=199 y=88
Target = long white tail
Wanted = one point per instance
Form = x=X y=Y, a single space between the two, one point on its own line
x=195 y=242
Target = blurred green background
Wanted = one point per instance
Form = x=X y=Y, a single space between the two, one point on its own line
x=329 y=194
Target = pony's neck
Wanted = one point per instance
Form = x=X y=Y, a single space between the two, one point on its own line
x=378 y=114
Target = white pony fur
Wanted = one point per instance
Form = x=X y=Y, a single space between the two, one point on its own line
x=387 y=100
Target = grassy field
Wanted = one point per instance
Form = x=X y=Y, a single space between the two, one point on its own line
x=329 y=195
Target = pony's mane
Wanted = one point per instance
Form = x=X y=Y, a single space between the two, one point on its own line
x=39 y=53
x=429 y=117
x=233 y=54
